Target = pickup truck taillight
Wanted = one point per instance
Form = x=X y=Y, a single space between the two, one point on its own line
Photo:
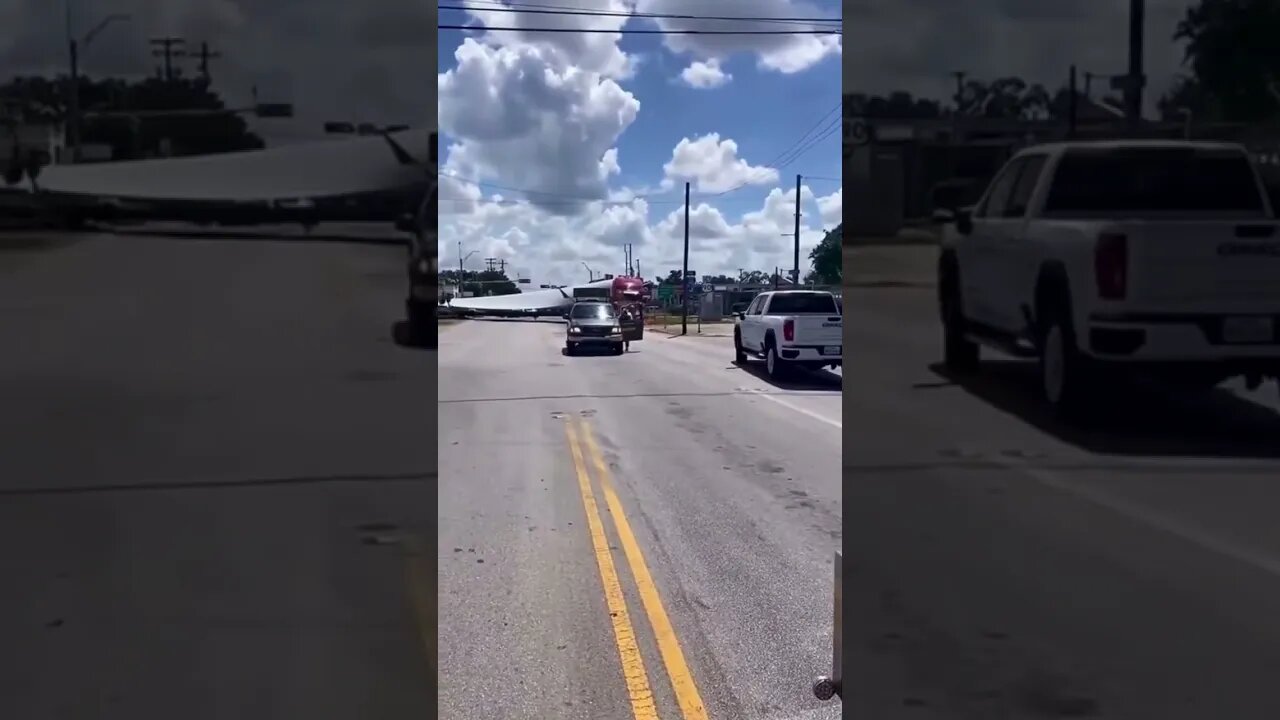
x=788 y=330
x=1111 y=265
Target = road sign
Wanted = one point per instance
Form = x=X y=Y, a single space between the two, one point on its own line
x=666 y=293
x=856 y=131
x=706 y=287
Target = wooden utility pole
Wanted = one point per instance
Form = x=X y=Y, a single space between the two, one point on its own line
x=205 y=56
x=1135 y=79
x=1072 y=109
x=795 y=271
x=684 y=277
x=168 y=47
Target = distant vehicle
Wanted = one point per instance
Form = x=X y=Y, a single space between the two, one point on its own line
x=789 y=329
x=1155 y=258
x=593 y=323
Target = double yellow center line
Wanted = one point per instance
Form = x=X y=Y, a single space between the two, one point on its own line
x=643 y=706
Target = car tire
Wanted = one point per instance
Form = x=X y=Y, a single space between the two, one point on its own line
x=617 y=349
x=1068 y=382
x=421 y=323
x=959 y=353
x=774 y=365
x=739 y=354
x=570 y=349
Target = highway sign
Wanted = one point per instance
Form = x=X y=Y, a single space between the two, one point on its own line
x=856 y=131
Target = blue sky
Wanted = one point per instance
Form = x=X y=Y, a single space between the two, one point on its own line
x=612 y=117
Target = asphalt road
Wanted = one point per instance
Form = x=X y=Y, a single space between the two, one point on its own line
x=1005 y=566
x=636 y=536
x=216 y=475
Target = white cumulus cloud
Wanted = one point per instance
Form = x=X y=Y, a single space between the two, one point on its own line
x=713 y=165
x=705 y=74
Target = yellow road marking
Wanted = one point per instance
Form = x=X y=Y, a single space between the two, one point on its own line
x=677 y=669
x=422 y=599
x=637 y=679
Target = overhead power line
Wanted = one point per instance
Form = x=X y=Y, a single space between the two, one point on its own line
x=624 y=31
x=775 y=163
x=826 y=132
x=529 y=10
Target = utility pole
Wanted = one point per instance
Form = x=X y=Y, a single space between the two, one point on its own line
x=684 y=277
x=1071 y=104
x=205 y=56
x=168 y=47
x=73 y=80
x=1135 y=81
x=461 y=272
x=73 y=90
x=959 y=75
x=796 y=265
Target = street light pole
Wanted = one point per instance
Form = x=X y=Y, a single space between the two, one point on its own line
x=73 y=101
x=73 y=90
x=461 y=261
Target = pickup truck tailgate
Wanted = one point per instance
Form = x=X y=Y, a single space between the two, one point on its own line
x=819 y=330
x=1204 y=263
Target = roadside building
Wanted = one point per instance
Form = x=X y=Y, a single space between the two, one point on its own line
x=897 y=171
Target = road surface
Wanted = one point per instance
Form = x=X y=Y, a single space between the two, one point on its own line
x=216 y=480
x=1005 y=566
x=636 y=536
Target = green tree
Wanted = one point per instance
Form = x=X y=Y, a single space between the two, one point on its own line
x=1234 y=58
x=828 y=259
x=481 y=283
x=218 y=132
x=897 y=105
x=1007 y=97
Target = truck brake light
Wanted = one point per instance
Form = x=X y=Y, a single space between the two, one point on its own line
x=1111 y=265
x=788 y=330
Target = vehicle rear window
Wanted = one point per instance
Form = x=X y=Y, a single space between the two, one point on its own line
x=800 y=303
x=588 y=311
x=1153 y=179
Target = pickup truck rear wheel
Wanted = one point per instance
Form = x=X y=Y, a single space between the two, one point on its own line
x=1068 y=385
x=959 y=353
x=776 y=366
x=739 y=355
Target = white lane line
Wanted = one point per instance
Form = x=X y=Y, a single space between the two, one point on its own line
x=1253 y=557
x=760 y=392
x=837 y=424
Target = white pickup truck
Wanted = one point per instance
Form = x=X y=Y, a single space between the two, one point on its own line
x=1101 y=259
x=791 y=328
